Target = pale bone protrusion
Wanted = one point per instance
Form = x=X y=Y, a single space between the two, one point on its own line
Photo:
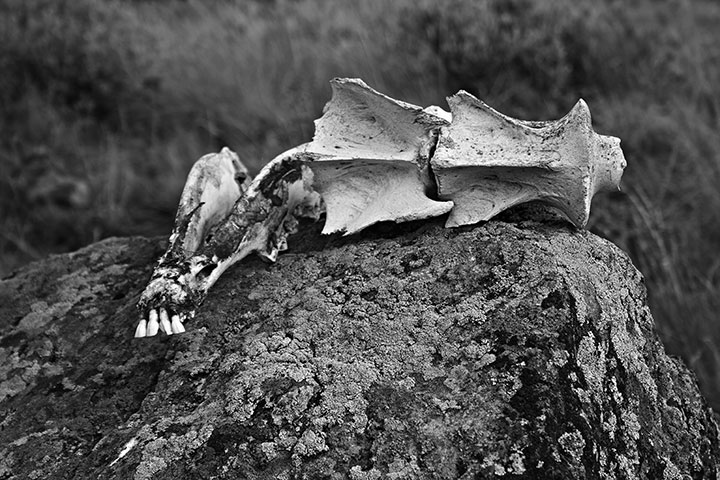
x=487 y=162
x=260 y=220
x=214 y=184
x=371 y=160
x=371 y=156
x=439 y=112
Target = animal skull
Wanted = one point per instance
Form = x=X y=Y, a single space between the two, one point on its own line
x=374 y=159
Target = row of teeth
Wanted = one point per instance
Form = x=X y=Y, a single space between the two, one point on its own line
x=159 y=320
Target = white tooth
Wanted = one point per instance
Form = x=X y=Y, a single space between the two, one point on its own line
x=152 y=327
x=165 y=322
x=177 y=326
x=141 y=329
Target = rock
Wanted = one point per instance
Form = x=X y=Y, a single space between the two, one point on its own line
x=518 y=350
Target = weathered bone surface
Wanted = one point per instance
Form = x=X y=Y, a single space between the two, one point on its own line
x=486 y=162
x=214 y=184
x=259 y=222
x=374 y=159
x=371 y=159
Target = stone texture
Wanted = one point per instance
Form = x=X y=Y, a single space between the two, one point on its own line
x=508 y=350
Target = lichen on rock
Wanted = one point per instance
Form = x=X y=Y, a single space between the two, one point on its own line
x=513 y=349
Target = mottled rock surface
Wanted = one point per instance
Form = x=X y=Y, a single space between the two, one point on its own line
x=509 y=350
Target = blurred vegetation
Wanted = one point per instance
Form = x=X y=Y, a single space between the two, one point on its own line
x=105 y=105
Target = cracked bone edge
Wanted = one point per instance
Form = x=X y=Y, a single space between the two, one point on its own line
x=487 y=162
x=370 y=156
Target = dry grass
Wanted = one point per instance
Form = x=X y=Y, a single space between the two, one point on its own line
x=105 y=106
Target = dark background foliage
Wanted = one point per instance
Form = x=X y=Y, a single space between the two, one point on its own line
x=105 y=105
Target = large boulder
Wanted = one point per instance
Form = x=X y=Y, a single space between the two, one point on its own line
x=521 y=350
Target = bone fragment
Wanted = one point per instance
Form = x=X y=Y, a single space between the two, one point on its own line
x=487 y=162
x=439 y=112
x=370 y=159
x=128 y=446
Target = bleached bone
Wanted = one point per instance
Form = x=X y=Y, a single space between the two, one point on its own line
x=371 y=155
x=487 y=162
x=263 y=214
x=213 y=186
x=370 y=161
